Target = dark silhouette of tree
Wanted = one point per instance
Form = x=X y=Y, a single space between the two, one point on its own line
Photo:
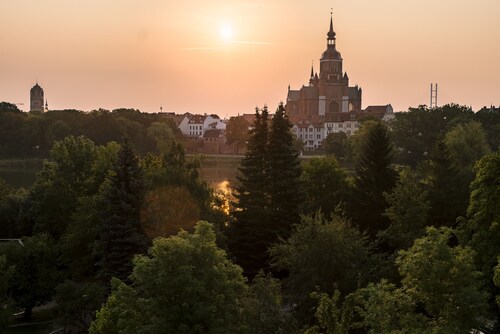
x=336 y=144
x=374 y=176
x=325 y=185
x=247 y=242
x=34 y=271
x=448 y=192
x=481 y=230
x=285 y=192
x=119 y=233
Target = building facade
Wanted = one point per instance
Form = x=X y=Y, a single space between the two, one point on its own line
x=327 y=104
x=194 y=126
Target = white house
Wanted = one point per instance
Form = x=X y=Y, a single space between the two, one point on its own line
x=195 y=125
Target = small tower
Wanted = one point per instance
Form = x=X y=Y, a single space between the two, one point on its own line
x=36 y=98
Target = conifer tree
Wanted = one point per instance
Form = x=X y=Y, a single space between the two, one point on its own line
x=269 y=196
x=119 y=232
x=374 y=176
x=284 y=177
x=246 y=242
x=449 y=191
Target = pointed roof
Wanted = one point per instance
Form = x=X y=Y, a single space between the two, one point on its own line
x=331 y=33
x=312 y=71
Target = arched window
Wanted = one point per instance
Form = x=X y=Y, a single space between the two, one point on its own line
x=333 y=107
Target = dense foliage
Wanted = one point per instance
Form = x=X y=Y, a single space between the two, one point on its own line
x=405 y=242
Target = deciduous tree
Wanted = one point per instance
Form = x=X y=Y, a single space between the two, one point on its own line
x=201 y=290
x=326 y=186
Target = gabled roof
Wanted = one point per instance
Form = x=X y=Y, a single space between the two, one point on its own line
x=197 y=119
x=213 y=133
x=250 y=118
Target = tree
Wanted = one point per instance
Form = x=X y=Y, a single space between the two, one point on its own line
x=201 y=290
x=119 y=229
x=374 y=176
x=77 y=304
x=444 y=281
x=176 y=197
x=481 y=229
x=285 y=191
x=167 y=210
x=34 y=276
x=9 y=107
x=418 y=131
x=324 y=254
x=336 y=143
x=490 y=120
x=407 y=211
x=264 y=308
x=377 y=308
x=12 y=203
x=77 y=243
x=448 y=191
x=440 y=293
x=6 y=308
x=466 y=144
x=162 y=135
x=237 y=132
x=247 y=241
x=54 y=196
x=496 y=280
x=325 y=185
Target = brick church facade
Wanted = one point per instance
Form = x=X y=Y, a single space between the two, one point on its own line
x=328 y=104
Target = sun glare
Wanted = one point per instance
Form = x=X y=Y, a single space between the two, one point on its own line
x=226 y=31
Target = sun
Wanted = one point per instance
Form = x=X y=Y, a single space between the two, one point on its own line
x=226 y=31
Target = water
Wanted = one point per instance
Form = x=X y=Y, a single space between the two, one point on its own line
x=19 y=177
x=212 y=170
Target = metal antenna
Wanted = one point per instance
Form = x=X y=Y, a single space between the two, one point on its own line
x=434 y=96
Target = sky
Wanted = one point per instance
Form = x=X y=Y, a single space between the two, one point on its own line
x=229 y=56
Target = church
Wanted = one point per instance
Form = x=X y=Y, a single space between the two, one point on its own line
x=328 y=104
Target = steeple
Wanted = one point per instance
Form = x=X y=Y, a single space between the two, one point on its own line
x=312 y=71
x=331 y=34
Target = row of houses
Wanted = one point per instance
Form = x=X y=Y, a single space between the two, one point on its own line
x=207 y=132
x=313 y=130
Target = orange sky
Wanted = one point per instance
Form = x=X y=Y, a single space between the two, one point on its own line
x=151 y=53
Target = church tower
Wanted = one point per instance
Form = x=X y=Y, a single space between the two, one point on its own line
x=36 y=99
x=327 y=93
x=330 y=72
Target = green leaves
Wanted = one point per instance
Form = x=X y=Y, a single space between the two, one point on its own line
x=185 y=285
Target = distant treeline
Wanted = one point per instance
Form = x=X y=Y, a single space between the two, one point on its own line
x=25 y=135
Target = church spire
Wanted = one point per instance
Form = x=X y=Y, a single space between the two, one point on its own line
x=312 y=70
x=331 y=34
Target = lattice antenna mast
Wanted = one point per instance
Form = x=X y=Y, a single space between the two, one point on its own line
x=434 y=96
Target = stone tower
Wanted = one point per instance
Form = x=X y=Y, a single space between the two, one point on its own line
x=36 y=99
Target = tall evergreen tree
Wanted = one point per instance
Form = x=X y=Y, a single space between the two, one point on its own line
x=448 y=194
x=247 y=243
x=119 y=232
x=374 y=176
x=284 y=177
